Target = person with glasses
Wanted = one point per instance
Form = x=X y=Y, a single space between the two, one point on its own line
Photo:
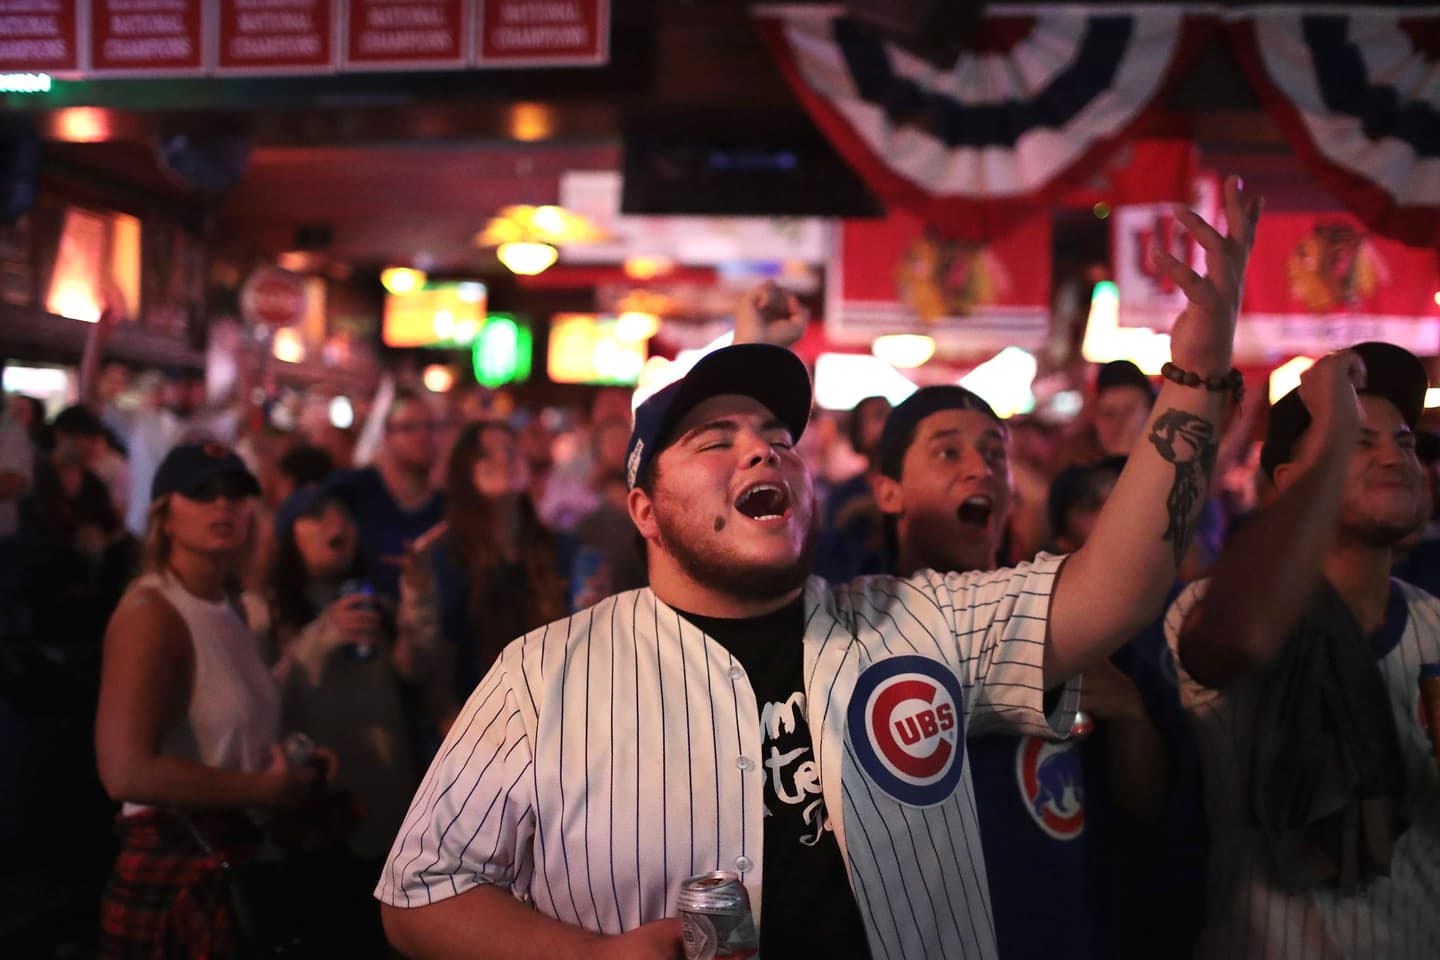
x=393 y=502
x=187 y=733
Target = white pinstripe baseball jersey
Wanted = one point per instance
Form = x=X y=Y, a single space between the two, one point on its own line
x=607 y=757
x=1247 y=914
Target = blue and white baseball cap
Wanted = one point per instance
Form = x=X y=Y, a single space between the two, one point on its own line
x=764 y=372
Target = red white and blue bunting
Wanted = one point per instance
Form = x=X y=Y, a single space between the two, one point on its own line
x=1037 y=101
x=1357 y=92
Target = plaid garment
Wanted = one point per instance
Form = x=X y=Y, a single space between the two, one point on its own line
x=166 y=898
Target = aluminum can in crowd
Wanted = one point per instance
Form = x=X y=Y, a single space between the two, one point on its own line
x=715 y=910
x=359 y=651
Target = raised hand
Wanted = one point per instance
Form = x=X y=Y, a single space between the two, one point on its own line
x=1203 y=336
x=414 y=562
x=1329 y=391
x=769 y=314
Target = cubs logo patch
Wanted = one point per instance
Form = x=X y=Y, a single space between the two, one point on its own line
x=1052 y=785
x=906 y=725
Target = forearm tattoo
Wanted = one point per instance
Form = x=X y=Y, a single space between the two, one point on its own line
x=1188 y=442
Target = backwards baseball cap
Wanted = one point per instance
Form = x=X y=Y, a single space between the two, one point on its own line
x=1391 y=372
x=899 y=431
x=1123 y=373
x=189 y=466
x=768 y=374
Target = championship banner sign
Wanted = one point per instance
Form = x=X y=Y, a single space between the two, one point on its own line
x=157 y=38
x=895 y=276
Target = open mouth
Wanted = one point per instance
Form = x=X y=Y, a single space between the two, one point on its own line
x=336 y=542
x=764 y=501
x=976 y=510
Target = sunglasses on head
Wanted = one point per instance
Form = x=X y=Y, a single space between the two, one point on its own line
x=222 y=486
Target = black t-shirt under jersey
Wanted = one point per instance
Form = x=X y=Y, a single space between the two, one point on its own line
x=808 y=909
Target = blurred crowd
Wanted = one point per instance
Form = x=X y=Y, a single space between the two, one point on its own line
x=379 y=570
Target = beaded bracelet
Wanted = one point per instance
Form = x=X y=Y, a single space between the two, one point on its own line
x=1232 y=382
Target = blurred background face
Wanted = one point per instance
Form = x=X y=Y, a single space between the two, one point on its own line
x=869 y=423
x=1081 y=516
x=410 y=435
x=1120 y=415
x=611 y=437
x=86 y=448
x=326 y=541
x=183 y=395
x=500 y=469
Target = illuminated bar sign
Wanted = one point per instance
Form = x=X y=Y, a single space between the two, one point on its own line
x=147 y=37
x=39 y=36
x=413 y=34
x=541 y=33
x=277 y=36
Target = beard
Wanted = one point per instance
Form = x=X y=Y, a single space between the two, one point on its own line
x=710 y=564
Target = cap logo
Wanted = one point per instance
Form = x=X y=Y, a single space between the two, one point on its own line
x=216 y=451
x=632 y=464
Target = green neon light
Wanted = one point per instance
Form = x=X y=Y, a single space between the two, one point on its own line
x=502 y=352
x=25 y=83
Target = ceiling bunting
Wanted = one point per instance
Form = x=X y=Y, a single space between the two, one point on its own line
x=1357 y=93
x=1032 y=107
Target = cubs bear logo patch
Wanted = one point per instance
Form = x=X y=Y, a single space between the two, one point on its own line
x=1052 y=785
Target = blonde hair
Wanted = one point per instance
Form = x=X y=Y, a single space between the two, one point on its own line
x=157 y=543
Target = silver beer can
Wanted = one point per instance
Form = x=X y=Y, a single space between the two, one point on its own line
x=715 y=910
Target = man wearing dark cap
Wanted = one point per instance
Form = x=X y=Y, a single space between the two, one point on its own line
x=740 y=716
x=1302 y=660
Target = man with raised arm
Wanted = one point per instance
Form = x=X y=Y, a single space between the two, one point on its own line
x=1301 y=672
x=740 y=715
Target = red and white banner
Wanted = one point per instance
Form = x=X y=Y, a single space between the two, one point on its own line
x=542 y=33
x=413 y=34
x=148 y=37
x=894 y=276
x=276 y=36
x=39 y=36
x=1322 y=281
x=1148 y=297
x=1031 y=107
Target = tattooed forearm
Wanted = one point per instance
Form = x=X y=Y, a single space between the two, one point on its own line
x=1188 y=442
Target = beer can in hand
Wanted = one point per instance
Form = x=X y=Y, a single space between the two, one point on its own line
x=1430 y=704
x=715 y=910
x=365 y=649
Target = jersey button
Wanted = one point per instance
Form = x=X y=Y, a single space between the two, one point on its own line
x=736 y=673
x=743 y=864
x=744 y=763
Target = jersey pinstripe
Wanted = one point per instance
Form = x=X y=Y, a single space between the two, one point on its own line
x=1248 y=915
x=607 y=757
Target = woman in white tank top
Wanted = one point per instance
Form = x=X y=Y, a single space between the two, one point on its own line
x=189 y=716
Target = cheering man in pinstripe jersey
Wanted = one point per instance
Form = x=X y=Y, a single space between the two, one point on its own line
x=740 y=715
x=1302 y=659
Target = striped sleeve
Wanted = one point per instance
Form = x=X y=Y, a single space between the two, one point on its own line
x=472 y=819
x=1195 y=696
x=1000 y=621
